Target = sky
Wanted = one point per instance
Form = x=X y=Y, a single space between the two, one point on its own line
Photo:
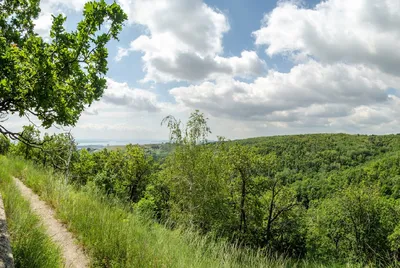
x=253 y=67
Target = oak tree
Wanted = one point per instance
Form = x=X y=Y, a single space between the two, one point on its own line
x=53 y=80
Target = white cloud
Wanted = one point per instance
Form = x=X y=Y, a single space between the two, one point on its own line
x=365 y=115
x=54 y=7
x=345 y=59
x=308 y=92
x=189 y=24
x=356 y=32
x=120 y=94
x=184 y=42
x=114 y=127
x=121 y=53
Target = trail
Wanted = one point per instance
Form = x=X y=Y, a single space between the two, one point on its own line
x=73 y=255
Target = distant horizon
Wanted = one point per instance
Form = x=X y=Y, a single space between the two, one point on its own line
x=121 y=142
x=105 y=142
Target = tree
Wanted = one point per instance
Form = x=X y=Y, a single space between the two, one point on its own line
x=196 y=175
x=181 y=166
x=4 y=144
x=55 y=80
x=137 y=167
x=282 y=221
x=30 y=135
x=58 y=151
x=123 y=173
x=354 y=225
x=195 y=132
x=244 y=164
x=84 y=168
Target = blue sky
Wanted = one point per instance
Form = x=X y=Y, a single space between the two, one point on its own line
x=254 y=67
x=244 y=18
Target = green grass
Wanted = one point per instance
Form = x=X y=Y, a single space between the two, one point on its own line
x=116 y=237
x=30 y=245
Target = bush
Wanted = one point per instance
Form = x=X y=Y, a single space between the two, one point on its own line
x=4 y=144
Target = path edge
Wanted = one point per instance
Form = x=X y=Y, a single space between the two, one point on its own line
x=6 y=257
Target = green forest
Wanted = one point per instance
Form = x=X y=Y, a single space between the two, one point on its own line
x=331 y=198
x=315 y=200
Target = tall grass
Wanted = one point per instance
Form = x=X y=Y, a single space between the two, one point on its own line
x=116 y=237
x=30 y=245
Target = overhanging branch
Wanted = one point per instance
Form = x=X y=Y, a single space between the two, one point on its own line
x=19 y=136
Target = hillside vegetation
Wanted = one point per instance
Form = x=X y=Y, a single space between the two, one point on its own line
x=116 y=236
x=323 y=199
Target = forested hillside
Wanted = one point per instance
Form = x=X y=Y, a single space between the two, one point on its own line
x=333 y=198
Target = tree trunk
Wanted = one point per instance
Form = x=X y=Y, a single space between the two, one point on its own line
x=133 y=196
x=243 y=224
x=271 y=210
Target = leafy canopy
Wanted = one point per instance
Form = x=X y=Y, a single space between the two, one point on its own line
x=53 y=80
x=195 y=131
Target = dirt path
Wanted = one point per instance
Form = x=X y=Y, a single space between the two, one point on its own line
x=6 y=257
x=73 y=255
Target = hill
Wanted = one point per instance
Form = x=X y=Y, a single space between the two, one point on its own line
x=330 y=198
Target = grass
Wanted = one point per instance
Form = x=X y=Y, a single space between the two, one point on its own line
x=116 y=237
x=30 y=245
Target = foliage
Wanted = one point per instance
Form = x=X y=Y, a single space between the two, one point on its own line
x=4 y=144
x=30 y=135
x=274 y=192
x=123 y=173
x=116 y=237
x=353 y=225
x=53 y=80
x=58 y=151
x=223 y=188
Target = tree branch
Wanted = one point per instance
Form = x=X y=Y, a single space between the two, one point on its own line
x=19 y=136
